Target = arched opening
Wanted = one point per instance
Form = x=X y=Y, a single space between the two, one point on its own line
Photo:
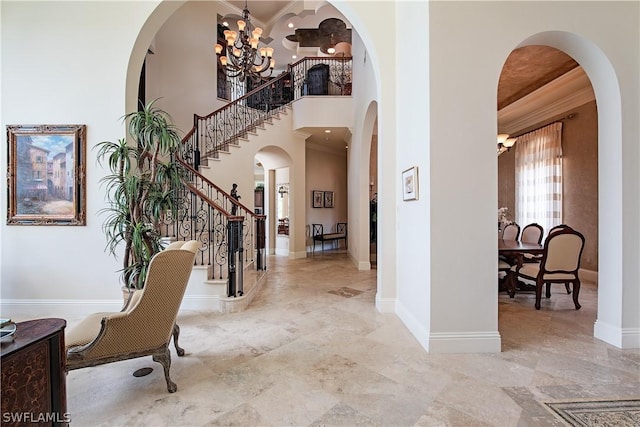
x=604 y=257
x=278 y=197
x=542 y=88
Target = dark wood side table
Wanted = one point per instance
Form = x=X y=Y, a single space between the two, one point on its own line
x=33 y=375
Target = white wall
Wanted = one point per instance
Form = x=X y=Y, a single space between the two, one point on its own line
x=464 y=79
x=182 y=72
x=413 y=127
x=52 y=75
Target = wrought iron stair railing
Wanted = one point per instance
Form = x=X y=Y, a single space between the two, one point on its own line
x=231 y=234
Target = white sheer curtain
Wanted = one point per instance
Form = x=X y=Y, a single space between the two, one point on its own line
x=539 y=177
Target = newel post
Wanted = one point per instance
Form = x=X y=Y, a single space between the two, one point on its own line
x=234 y=259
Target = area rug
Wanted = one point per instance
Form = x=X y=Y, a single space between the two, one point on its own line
x=589 y=413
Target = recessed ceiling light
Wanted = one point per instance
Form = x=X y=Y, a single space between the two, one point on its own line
x=290 y=25
x=225 y=23
x=327 y=131
x=294 y=56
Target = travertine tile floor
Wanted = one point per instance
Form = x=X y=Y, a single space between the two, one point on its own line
x=312 y=350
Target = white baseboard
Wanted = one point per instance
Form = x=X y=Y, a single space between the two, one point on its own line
x=450 y=342
x=416 y=328
x=465 y=342
x=297 y=255
x=385 y=305
x=623 y=338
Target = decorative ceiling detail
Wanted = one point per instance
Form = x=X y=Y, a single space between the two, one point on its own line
x=329 y=33
x=529 y=68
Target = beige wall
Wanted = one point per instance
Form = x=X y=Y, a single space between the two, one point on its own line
x=326 y=171
x=580 y=175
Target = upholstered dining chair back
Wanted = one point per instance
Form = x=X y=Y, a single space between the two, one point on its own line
x=563 y=250
x=557 y=228
x=532 y=233
x=511 y=232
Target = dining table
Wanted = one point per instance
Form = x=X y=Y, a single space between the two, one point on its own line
x=515 y=250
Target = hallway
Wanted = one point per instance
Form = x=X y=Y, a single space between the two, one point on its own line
x=313 y=350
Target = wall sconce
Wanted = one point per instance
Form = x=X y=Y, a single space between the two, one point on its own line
x=505 y=143
x=282 y=190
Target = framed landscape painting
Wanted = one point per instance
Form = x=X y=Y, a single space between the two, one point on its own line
x=46 y=174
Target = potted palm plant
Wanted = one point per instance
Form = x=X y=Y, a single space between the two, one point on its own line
x=141 y=188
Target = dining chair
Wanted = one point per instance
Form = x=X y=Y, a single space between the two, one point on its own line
x=531 y=233
x=558 y=227
x=560 y=263
x=511 y=231
x=508 y=281
x=552 y=230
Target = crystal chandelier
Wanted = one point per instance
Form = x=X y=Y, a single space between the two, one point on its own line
x=242 y=58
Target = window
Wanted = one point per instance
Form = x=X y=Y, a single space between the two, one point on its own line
x=539 y=177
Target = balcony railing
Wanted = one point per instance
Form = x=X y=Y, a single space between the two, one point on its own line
x=215 y=132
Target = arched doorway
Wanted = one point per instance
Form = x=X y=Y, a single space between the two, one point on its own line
x=608 y=233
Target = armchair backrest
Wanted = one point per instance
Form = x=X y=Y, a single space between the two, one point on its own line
x=511 y=232
x=151 y=319
x=532 y=233
x=562 y=251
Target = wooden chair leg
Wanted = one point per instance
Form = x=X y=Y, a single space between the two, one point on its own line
x=539 y=285
x=576 y=291
x=566 y=285
x=548 y=291
x=510 y=282
x=176 y=334
x=164 y=358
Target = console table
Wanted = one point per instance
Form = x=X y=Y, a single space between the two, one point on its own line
x=33 y=375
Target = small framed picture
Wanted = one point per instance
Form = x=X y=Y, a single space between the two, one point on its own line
x=46 y=175
x=318 y=197
x=410 y=184
x=328 y=199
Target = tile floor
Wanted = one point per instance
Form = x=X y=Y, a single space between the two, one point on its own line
x=311 y=350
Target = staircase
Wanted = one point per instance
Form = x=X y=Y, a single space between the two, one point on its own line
x=230 y=267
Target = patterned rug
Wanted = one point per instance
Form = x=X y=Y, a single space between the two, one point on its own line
x=589 y=413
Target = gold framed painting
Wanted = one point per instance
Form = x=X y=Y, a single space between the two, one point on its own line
x=46 y=174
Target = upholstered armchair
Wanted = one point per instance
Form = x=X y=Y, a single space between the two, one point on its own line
x=145 y=325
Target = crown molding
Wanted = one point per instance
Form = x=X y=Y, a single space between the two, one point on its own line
x=557 y=97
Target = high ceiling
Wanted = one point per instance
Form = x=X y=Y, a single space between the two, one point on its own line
x=529 y=68
x=525 y=70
